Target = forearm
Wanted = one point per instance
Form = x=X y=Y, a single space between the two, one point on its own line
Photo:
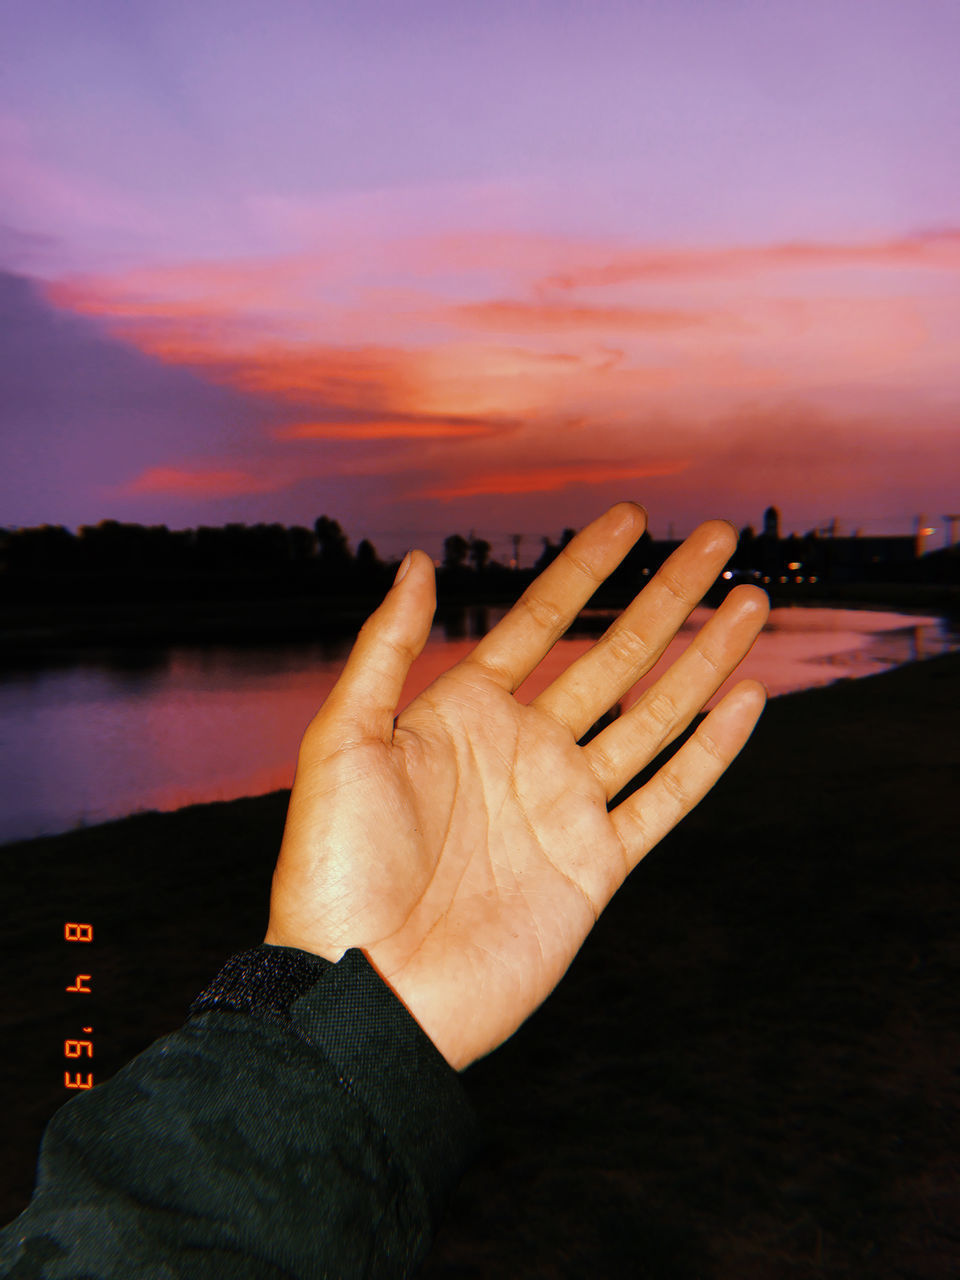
x=239 y=1146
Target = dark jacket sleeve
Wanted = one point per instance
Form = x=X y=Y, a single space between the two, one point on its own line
x=317 y=1140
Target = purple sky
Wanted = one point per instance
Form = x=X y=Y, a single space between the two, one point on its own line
x=491 y=265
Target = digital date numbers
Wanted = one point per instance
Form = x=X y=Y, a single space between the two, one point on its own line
x=74 y=931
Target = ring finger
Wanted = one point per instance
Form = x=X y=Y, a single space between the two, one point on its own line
x=665 y=709
x=634 y=643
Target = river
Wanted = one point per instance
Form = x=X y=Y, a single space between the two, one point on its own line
x=105 y=738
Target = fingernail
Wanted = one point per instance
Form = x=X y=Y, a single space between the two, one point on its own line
x=404 y=566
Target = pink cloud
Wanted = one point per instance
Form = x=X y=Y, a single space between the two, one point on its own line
x=664 y=372
x=532 y=317
x=938 y=249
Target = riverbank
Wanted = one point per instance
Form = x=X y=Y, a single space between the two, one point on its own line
x=748 y=1073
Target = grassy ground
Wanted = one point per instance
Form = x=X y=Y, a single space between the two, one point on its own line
x=750 y=1072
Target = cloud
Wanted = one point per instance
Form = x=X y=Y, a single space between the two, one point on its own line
x=395 y=428
x=80 y=412
x=533 y=317
x=549 y=479
x=472 y=371
x=212 y=483
x=265 y=473
x=936 y=249
x=230 y=290
x=371 y=378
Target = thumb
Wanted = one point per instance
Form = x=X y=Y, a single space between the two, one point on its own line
x=366 y=695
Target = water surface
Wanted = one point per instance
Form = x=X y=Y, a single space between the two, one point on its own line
x=102 y=739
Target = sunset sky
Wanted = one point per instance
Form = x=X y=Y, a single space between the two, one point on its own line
x=426 y=267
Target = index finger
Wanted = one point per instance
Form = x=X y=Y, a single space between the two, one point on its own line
x=550 y=604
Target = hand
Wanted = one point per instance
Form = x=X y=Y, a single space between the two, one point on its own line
x=466 y=847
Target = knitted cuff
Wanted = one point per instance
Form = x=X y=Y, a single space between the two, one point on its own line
x=263 y=982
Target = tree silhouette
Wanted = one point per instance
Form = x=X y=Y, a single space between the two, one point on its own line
x=455 y=550
x=368 y=562
x=479 y=553
x=551 y=549
x=333 y=547
x=547 y=555
x=302 y=543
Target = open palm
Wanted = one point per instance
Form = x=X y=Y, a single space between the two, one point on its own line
x=466 y=847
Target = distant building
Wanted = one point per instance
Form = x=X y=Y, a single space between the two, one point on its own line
x=862 y=559
x=821 y=556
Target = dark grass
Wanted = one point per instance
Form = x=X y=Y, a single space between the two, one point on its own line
x=750 y=1071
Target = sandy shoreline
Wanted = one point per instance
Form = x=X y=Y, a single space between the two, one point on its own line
x=749 y=1071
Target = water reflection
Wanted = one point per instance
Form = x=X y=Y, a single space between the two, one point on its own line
x=457 y=623
x=161 y=729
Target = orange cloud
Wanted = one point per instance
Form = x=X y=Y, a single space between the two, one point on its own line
x=368 y=378
x=237 y=354
x=527 y=317
x=394 y=429
x=549 y=479
x=199 y=483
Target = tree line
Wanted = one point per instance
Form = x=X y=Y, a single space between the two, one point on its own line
x=101 y=559
x=112 y=545
x=276 y=559
x=115 y=546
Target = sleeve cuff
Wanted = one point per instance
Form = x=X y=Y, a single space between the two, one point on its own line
x=262 y=982
x=385 y=1059
x=382 y=1057
x=323 y=1147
